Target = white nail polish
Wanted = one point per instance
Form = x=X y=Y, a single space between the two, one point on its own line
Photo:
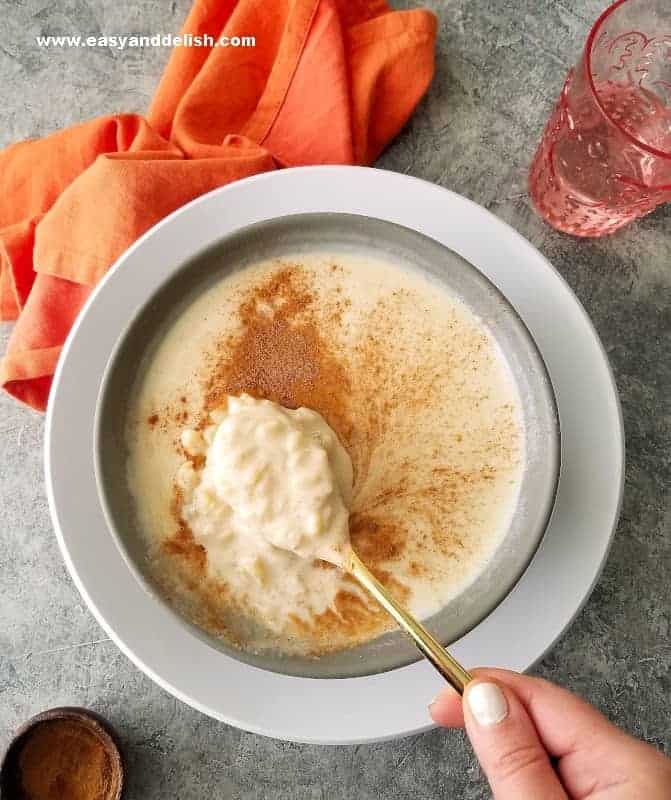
x=487 y=704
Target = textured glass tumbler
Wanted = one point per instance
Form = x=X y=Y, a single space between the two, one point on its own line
x=605 y=156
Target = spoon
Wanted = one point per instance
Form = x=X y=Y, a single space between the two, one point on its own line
x=429 y=646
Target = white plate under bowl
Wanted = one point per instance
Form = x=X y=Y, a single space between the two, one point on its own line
x=515 y=635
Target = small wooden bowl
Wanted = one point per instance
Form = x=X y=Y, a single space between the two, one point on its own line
x=10 y=776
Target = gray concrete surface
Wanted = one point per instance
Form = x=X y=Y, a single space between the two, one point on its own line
x=500 y=66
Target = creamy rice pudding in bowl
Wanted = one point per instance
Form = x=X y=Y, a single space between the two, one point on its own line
x=319 y=377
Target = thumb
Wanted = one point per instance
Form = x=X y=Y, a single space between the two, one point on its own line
x=506 y=743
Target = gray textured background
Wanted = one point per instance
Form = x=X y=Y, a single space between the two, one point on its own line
x=501 y=64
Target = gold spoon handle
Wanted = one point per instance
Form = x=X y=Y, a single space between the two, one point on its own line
x=430 y=647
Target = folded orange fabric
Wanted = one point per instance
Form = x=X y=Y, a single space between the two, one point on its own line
x=328 y=82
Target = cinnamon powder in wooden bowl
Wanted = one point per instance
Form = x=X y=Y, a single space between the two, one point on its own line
x=63 y=754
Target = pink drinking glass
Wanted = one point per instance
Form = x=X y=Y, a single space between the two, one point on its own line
x=605 y=155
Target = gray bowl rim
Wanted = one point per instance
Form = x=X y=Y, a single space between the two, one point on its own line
x=279 y=663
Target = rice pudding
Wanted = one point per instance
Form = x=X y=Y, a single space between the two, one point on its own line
x=395 y=379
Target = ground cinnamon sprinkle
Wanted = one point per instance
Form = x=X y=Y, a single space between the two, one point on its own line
x=352 y=620
x=374 y=540
x=281 y=354
x=62 y=760
x=182 y=543
x=409 y=511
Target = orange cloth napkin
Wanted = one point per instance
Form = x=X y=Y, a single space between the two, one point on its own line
x=329 y=82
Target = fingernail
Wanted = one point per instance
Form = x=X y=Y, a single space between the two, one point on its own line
x=434 y=702
x=487 y=704
x=438 y=698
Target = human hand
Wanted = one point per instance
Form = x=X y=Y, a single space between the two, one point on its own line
x=536 y=741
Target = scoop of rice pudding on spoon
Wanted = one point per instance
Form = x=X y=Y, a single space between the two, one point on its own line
x=280 y=478
x=272 y=476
